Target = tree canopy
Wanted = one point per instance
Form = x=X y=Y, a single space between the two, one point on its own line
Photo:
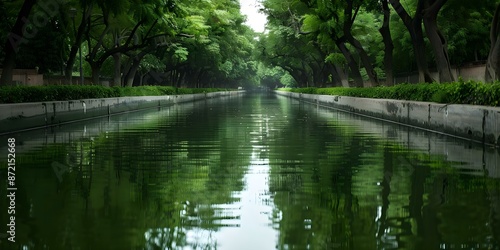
x=207 y=43
x=360 y=41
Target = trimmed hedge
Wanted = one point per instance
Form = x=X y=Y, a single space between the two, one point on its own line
x=20 y=94
x=469 y=92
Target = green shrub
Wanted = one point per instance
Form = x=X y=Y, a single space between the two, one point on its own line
x=461 y=92
x=18 y=94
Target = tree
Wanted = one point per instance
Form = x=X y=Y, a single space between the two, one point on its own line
x=385 y=31
x=293 y=48
x=86 y=9
x=350 y=12
x=414 y=28
x=493 y=63
x=427 y=12
x=218 y=50
x=143 y=26
x=437 y=40
x=16 y=37
x=466 y=35
x=48 y=48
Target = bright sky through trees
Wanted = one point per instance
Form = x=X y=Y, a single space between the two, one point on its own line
x=255 y=20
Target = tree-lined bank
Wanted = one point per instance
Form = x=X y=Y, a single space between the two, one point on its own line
x=189 y=43
x=461 y=92
x=307 y=43
x=358 y=43
x=22 y=94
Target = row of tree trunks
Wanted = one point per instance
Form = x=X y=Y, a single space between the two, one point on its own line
x=298 y=75
x=426 y=13
x=351 y=62
x=136 y=63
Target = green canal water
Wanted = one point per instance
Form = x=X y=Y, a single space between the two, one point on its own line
x=255 y=171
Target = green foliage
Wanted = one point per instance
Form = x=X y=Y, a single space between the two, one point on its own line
x=217 y=50
x=310 y=23
x=146 y=91
x=335 y=58
x=151 y=62
x=51 y=93
x=467 y=35
x=287 y=80
x=186 y=91
x=180 y=53
x=275 y=76
x=204 y=43
x=461 y=92
x=21 y=94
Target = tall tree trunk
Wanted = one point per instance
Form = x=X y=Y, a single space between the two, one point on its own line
x=308 y=74
x=320 y=72
x=171 y=79
x=339 y=75
x=126 y=69
x=183 y=78
x=385 y=31
x=493 y=63
x=178 y=79
x=93 y=59
x=96 y=71
x=420 y=57
x=14 y=40
x=68 y=70
x=136 y=63
x=349 y=18
x=129 y=82
x=141 y=79
x=414 y=27
x=198 y=76
x=437 y=39
x=365 y=60
x=117 y=80
x=353 y=66
x=297 y=76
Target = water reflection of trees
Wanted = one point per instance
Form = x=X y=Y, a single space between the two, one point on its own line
x=184 y=170
x=157 y=185
x=344 y=189
x=169 y=184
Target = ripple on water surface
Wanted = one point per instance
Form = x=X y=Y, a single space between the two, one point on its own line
x=251 y=172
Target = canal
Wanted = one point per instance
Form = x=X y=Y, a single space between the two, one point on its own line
x=255 y=171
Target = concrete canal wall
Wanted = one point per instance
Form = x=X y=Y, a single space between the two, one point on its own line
x=471 y=158
x=25 y=116
x=478 y=123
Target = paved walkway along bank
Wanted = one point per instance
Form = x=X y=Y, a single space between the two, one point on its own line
x=24 y=116
x=478 y=123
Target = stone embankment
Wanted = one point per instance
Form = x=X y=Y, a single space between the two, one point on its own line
x=25 y=116
x=477 y=123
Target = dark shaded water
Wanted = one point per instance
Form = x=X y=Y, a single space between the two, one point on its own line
x=249 y=172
